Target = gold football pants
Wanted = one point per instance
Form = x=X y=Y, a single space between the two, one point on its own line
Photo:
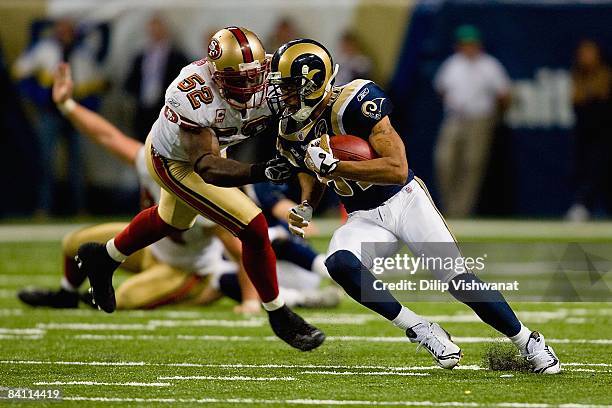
x=154 y=284
x=185 y=194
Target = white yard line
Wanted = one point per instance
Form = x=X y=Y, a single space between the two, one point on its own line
x=308 y=368
x=289 y=402
x=11 y=330
x=95 y=383
x=368 y=373
x=226 y=378
x=21 y=337
x=366 y=339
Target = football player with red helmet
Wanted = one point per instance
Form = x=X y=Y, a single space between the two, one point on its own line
x=213 y=103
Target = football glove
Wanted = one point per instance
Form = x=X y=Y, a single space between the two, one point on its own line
x=299 y=217
x=277 y=170
x=319 y=157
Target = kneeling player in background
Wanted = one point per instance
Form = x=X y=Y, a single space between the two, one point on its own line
x=387 y=204
x=175 y=269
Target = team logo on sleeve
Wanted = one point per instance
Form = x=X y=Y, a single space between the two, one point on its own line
x=373 y=109
x=171 y=115
x=214 y=49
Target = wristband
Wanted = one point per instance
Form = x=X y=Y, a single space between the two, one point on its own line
x=67 y=106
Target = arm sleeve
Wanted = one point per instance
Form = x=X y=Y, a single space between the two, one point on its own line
x=366 y=108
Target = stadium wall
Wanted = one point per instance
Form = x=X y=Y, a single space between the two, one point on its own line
x=532 y=165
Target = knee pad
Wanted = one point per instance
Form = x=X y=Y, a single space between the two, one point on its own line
x=342 y=262
x=255 y=234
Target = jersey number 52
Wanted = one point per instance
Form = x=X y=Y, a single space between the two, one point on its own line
x=196 y=96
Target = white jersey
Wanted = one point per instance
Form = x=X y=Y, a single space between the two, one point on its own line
x=196 y=250
x=193 y=102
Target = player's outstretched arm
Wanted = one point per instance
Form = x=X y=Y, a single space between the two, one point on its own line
x=312 y=189
x=89 y=123
x=390 y=168
x=299 y=216
x=202 y=146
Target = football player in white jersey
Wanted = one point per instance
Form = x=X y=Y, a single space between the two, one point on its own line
x=213 y=103
x=388 y=206
x=187 y=267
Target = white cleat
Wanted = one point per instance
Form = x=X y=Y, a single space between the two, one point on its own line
x=542 y=357
x=437 y=342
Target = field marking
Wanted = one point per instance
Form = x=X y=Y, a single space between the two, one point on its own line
x=95 y=383
x=8 y=294
x=398 y=373
x=21 y=337
x=308 y=368
x=11 y=330
x=336 y=402
x=226 y=378
x=367 y=339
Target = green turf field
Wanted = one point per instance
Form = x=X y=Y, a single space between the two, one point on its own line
x=192 y=356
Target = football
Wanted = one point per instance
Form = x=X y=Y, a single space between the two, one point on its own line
x=351 y=148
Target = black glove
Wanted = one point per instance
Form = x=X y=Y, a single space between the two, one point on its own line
x=277 y=170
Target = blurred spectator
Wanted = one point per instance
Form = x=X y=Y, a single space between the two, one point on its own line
x=151 y=72
x=473 y=85
x=284 y=31
x=84 y=50
x=592 y=99
x=352 y=60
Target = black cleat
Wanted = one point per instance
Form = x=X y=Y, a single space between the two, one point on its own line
x=87 y=298
x=57 y=299
x=95 y=262
x=293 y=330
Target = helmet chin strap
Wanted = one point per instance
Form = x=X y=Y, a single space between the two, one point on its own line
x=304 y=112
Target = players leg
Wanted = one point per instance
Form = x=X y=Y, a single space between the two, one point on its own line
x=432 y=238
x=350 y=263
x=350 y=260
x=67 y=295
x=159 y=284
x=233 y=210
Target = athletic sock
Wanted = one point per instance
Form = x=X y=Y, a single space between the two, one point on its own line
x=358 y=282
x=274 y=304
x=407 y=318
x=489 y=305
x=259 y=262
x=520 y=340
x=113 y=252
x=73 y=277
x=145 y=228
